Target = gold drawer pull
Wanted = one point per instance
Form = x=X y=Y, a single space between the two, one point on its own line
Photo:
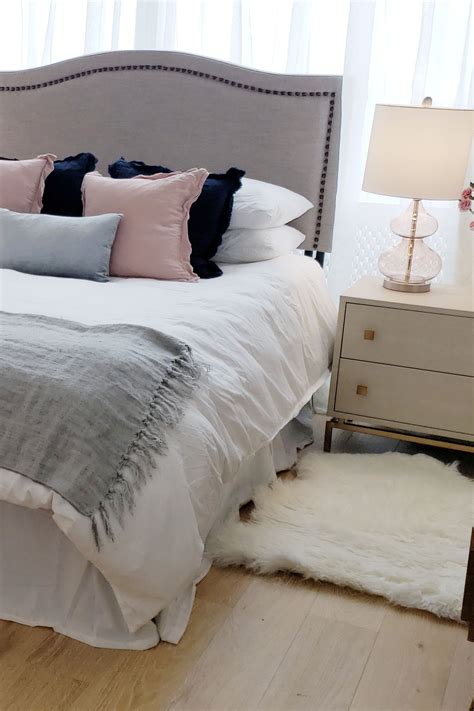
x=362 y=390
x=369 y=335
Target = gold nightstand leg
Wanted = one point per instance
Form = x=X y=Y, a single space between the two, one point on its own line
x=341 y=424
x=328 y=435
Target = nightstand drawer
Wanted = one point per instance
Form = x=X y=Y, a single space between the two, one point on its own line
x=414 y=339
x=414 y=397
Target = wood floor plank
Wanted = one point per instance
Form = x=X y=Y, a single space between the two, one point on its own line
x=345 y=605
x=239 y=664
x=224 y=585
x=459 y=692
x=279 y=636
x=48 y=692
x=17 y=642
x=63 y=656
x=322 y=667
x=409 y=665
x=45 y=670
x=151 y=679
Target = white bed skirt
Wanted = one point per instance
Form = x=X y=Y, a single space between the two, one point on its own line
x=44 y=580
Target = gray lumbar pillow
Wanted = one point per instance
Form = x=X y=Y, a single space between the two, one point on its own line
x=51 y=245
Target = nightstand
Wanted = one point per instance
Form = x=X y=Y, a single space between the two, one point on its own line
x=404 y=365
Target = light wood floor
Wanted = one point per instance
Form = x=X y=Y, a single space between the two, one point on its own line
x=253 y=642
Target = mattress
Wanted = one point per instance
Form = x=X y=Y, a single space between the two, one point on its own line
x=265 y=332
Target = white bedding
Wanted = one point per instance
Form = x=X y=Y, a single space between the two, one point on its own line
x=266 y=332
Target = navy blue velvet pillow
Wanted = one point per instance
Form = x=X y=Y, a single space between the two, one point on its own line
x=209 y=216
x=62 y=188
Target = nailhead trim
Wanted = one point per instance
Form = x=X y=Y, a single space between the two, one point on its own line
x=322 y=182
x=222 y=80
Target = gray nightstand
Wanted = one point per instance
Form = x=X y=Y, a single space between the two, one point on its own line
x=404 y=365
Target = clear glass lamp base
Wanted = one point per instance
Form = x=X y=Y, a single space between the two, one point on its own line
x=411 y=264
x=404 y=286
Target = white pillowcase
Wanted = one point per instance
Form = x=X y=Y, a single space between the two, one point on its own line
x=245 y=245
x=258 y=205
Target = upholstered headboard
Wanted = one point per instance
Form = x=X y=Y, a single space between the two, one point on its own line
x=182 y=111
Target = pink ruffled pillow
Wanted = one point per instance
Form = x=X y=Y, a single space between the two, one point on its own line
x=22 y=183
x=152 y=238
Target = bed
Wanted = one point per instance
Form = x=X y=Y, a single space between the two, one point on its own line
x=264 y=330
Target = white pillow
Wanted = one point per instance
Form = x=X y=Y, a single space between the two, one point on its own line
x=258 y=205
x=258 y=245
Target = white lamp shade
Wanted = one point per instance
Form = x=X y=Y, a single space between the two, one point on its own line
x=418 y=152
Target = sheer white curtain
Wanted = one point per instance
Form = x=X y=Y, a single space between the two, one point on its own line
x=396 y=51
x=276 y=35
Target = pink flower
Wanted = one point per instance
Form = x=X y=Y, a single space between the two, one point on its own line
x=471 y=225
x=466 y=193
x=464 y=205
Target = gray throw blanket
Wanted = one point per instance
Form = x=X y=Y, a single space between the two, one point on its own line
x=83 y=409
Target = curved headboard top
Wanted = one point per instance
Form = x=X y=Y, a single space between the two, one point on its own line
x=181 y=110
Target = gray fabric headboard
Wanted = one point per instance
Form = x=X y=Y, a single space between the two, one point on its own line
x=182 y=111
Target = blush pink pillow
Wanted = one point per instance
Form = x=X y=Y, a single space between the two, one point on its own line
x=152 y=237
x=22 y=183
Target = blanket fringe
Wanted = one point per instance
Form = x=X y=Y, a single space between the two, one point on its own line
x=135 y=467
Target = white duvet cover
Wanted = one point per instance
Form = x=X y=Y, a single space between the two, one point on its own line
x=265 y=331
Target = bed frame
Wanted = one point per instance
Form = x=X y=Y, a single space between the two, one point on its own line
x=182 y=111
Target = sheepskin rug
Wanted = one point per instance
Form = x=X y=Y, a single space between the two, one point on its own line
x=390 y=524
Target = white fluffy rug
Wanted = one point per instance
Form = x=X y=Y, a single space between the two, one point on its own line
x=390 y=524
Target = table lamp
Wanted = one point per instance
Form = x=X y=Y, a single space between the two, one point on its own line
x=416 y=152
